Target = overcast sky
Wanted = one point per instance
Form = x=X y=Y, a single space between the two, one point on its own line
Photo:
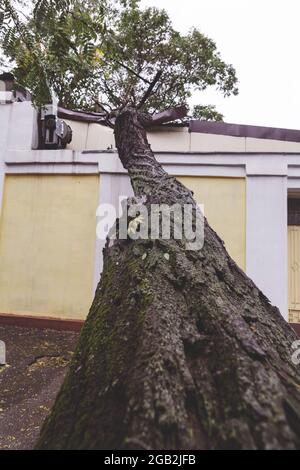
x=261 y=38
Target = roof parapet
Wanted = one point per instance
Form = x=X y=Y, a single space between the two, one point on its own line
x=243 y=130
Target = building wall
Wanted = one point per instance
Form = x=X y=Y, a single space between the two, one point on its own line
x=176 y=139
x=47 y=244
x=224 y=201
x=50 y=259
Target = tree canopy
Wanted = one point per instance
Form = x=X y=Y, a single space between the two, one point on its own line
x=108 y=55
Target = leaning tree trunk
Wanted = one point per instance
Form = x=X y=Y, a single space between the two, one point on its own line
x=180 y=349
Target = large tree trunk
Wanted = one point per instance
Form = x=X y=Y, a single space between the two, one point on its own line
x=180 y=351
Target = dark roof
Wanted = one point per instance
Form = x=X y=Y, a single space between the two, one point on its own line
x=242 y=130
x=82 y=116
x=159 y=119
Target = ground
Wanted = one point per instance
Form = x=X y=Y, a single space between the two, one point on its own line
x=37 y=361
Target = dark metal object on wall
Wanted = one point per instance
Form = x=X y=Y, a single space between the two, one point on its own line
x=54 y=133
x=294 y=211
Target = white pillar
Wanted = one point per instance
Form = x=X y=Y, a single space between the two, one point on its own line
x=5 y=118
x=22 y=126
x=111 y=187
x=267 y=251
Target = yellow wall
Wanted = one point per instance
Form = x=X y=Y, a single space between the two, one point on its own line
x=47 y=244
x=294 y=273
x=224 y=202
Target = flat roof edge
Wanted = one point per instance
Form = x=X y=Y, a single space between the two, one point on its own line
x=244 y=130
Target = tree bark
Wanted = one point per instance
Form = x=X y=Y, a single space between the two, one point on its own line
x=180 y=351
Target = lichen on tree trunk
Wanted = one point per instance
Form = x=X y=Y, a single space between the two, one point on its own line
x=180 y=351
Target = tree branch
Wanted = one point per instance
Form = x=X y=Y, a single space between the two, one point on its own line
x=171 y=114
x=131 y=71
x=150 y=89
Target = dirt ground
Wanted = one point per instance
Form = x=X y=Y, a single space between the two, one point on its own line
x=37 y=361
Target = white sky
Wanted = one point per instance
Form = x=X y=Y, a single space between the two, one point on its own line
x=261 y=38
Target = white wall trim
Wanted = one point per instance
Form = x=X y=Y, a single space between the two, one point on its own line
x=294 y=183
x=227 y=165
x=53 y=169
x=207 y=170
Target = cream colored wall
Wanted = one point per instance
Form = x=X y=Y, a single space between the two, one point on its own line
x=103 y=140
x=269 y=145
x=90 y=136
x=79 y=135
x=224 y=202
x=216 y=143
x=47 y=245
x=176 y=139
